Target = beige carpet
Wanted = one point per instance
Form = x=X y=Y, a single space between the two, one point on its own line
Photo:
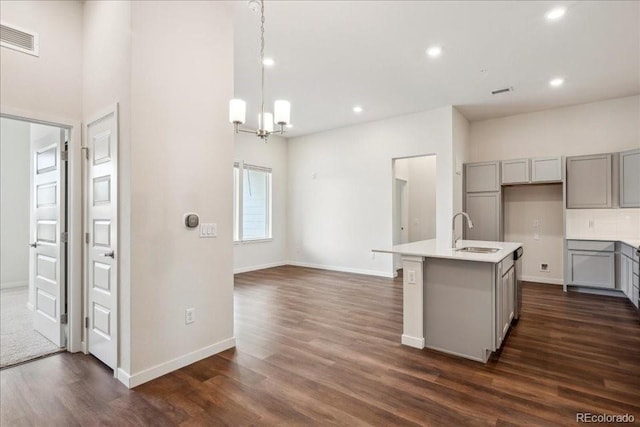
x=19 y=342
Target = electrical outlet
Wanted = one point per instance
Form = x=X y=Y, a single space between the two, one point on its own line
x=189 y=316
x=544 y=267
x=411 y=276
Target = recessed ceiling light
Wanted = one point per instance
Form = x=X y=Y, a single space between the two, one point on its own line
x=357 y=109
x=555 y=14
x=434 y=51
x=557 y=82
x=268 y=62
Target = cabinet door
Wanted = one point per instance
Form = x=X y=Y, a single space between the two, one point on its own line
x=630 y=179
x=481 y=177
x=589 y=181
x=484 y=210
x=593 y=269
x=546 y=169
x=515 y=171
x=626 y=272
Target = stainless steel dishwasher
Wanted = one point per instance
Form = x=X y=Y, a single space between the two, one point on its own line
x=517 y=261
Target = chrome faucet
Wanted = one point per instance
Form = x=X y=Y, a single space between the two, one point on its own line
x=453 y=227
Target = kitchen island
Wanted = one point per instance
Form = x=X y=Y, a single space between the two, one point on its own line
x=460 y=301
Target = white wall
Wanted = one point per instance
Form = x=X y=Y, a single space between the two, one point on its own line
x=340 y=189
x=523 y=205
x=597 y=127
x=181 y=161
x=52 y=82
x=106 y=80
x=256 y=255
x=460 y=136
x=14 y=203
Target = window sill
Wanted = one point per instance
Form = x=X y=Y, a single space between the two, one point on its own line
x=242 y=242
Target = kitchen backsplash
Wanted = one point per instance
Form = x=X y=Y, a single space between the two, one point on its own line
x=603 y=223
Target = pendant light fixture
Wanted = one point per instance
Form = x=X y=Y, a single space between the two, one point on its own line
x=281 y=108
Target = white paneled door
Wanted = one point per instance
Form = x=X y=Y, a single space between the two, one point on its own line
x=101 y=227
x=48 y=238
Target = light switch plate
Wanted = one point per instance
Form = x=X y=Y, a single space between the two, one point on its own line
x=189 y=316
x=208 y=230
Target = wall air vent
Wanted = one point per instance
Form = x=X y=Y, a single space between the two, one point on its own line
x=499 y=91
x=19 y=39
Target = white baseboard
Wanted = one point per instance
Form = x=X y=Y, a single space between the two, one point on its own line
x=412 y=341
x=342 y=269
x=542 y=279
x=11 y=285
x=259 y=267
x=29 y=306
x=134 y=380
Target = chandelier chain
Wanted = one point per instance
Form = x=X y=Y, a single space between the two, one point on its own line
x=262 y=120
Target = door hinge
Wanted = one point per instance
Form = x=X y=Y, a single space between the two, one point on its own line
x=64 y=155
x=86 y=152
x=86 y=238
x=64 y=237
x=86 y=322
x=63 y=319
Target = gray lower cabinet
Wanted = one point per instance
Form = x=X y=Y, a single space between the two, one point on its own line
x=546 y=169
x=630 y=179
x=591 y=264
x=484 y=210
x=515 y=171
x=589 y=183
x=505 y=299
x=482 y=177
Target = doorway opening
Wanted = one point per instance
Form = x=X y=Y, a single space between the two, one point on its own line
x=33 y=236
x=414 y=201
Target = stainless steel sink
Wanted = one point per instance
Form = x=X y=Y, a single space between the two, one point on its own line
x=478 y=250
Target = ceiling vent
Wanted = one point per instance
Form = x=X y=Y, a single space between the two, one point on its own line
x=499 y=91
x=19 y=39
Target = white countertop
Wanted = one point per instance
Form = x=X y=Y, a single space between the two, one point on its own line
x=631 y=242
x=430 y=249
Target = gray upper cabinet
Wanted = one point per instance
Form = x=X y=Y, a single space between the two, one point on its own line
x=630 y=179
x=515 y=171
x=481 y=177
x=546 y=169
x=484 y=210
x=589 y=181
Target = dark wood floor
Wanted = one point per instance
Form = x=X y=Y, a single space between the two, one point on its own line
x=317 y=348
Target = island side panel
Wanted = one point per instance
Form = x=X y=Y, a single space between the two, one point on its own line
x=412 y=300
x=458 y=307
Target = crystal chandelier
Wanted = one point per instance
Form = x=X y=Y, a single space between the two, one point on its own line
x=266 y=120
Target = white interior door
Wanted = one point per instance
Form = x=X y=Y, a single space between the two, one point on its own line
x=101 y=227
x=48 y=243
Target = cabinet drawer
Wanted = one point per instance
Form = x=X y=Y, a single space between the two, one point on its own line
x=506 y=264
x=636 y=269
x=627 y=250
x=591 y=245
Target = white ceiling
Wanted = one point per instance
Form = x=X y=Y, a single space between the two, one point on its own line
x=332 y=55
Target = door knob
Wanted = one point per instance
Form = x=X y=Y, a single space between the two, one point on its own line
x=34 y=244
x=111 y=254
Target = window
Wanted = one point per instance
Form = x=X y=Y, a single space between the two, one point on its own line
x=251 y=203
